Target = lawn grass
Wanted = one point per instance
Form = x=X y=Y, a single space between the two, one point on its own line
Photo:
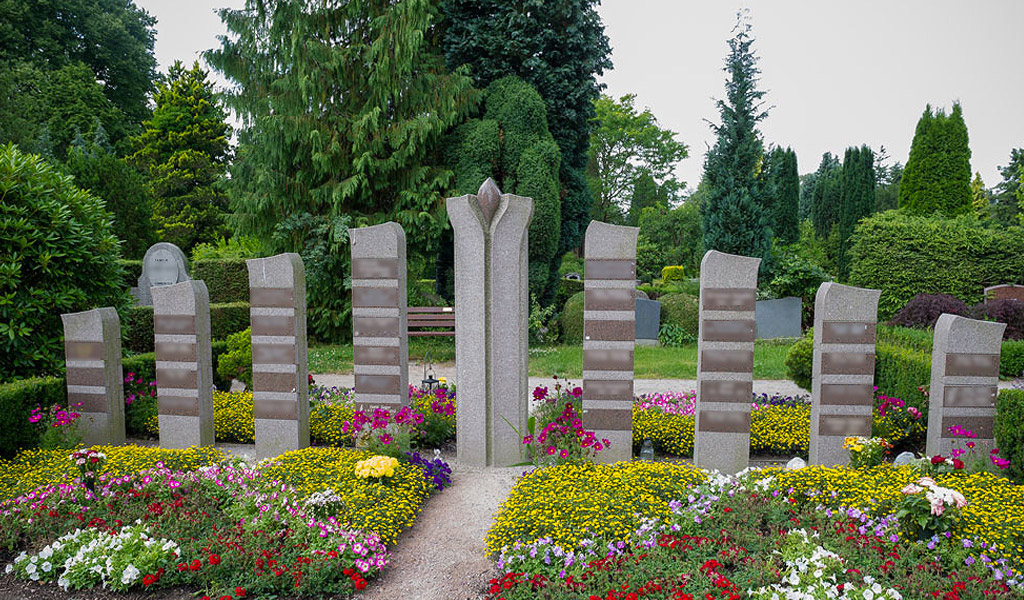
x=651 y=362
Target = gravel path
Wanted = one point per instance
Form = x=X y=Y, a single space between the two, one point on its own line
x=441 y=557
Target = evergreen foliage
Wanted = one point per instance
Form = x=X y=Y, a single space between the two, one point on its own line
x=559 y=48
x=981 y=198
x=785 y=199
x=1008 y=204
x=343 y=107
x=736 y=217
x=511 y=144
x=184 y=149
x=676 y=232
x=856 y=198
x=826 y=192
x=937 y=177
x=645 y=195
x=57 y=255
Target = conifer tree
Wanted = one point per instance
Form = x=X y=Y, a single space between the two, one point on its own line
x=856 y=198
x=826 y=192
x=785 y=199
x=937 y=177
x=735 y=214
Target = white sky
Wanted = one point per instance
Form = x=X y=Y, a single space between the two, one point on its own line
x=837 y=73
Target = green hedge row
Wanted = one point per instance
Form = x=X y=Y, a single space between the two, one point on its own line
x=225 y=319
x=227 y=279
x=18 y=398
x=1009 y=430
x=904 y=256
x=900 y=371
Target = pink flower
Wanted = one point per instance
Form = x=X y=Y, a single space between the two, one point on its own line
x=385 y=438
x=563 y=453
x=528 y=439
x=551 y=450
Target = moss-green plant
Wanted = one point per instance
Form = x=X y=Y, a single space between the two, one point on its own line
x=236 y=363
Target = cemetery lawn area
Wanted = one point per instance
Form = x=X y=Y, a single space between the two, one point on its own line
x=651 y=362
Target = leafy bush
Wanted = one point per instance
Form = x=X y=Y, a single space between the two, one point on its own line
x=137 y=330
x=235 y=247
x=800 y=361
x=542 y=328
x=1006 y=311
x=915 y=339
x=132 y=270
x=571 y=320
x=1011 y=360
x=58 y=254
x=1009 y=430
x=227 y=279
x=799 y=277
x=17 y=399
x=923 y=310
x=680 y=310
x=905 y=255
x=567 y=288
x=649 y=259
x=236 y=363
x=673 y=273
x=674 y=336
x=228 y=318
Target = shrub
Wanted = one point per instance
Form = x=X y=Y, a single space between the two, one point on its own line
x=1009 y=430
x=132 y=270
x=796 y=276
x=800 y=361
x=236 y=363
x=137 y=332
x=228 y=318
x=923 y=310
x=227 y=279
x=567 y=288
x=571 y=320
x=58 y=254
x=1006 y=311
x=915 y=339
x=905 y=255
x=17 y=399
x=680 y=310
x=1011 y=360
x=900 y=372
x=673 y=273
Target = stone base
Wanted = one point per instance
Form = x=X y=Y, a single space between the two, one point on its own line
x=97 y=430
x=620 y=450
x=277 y=436
x=184 y=432
x=725 y=452
x=829 y=451
x=645 y=342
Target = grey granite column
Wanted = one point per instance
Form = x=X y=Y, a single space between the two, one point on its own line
x=380 y=336
x=492 y=312
x=725 y=361
x=184 y=364
x=92 y=351
x=280 y=366
x=608 y=336
x=965 y=379
x=842 y=388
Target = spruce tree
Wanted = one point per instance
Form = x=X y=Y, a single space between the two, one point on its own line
x=735 y=215
x=785 y=205
x=937 y=177
x=856 y=198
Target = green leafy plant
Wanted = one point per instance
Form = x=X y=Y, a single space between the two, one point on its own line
x=926 y=509
x=541 y=322
x=236 y=363
x=674 y=336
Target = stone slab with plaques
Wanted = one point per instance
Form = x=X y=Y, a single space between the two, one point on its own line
x=95 y=382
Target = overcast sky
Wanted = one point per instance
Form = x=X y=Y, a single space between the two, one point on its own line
x=837 y=73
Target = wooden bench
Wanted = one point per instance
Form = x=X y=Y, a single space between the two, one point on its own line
x=439 y=319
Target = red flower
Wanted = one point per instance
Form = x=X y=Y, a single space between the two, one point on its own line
x=214 y=559
x=226 y=597
x=360 y=584
x=958 y=464
x=938 y=459
x=240 y=592
x=148 y=580
x=196 y=565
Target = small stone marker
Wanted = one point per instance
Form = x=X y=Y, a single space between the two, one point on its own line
x=92 y=351
x=725 y=361
x=379 y=316
x=965 y=380
x=184 y=364
x=280 y=366
x=842 y=388
x=1007 y=291
x=164 y=264
x=492 y=309
x=795 y=463
x=609 y=333
x=903 y=458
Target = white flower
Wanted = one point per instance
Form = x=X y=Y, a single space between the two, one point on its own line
x=131 y=573
x=9 y=569
x=47 y=566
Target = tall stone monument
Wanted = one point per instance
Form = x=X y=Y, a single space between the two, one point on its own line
x=164 y=264
x=379 y=315
x=842 y=388
x=92 y=351
x=725 y=361
x=608 y=336
x=184 y=364
x=965 y=380
x=492 y=309
x=280 y=365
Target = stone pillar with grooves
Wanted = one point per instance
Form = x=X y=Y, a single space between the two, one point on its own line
x=725 y=361
x=379 y=316
x=280 y=366
x=92 y=351
x=492 y=309
x=609 y=313
x=184 y=364
x=965 y=380
x=842 y=385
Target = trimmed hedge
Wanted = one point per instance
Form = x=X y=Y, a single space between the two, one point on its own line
x=227 y=279
x=137 y=330
x=917 y=339
x=1009 y=430
x=899 y=372
x=17 y=399
x=905 y=256
x=571 y=320
x=681 y=310
x=1011 y=360
x=673 y=273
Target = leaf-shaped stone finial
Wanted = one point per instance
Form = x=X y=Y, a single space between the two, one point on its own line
x=489 y=197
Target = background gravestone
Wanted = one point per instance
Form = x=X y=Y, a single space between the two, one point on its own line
x=280 y=365
x=379 y=316
x=609 y=313
x=778 y=318
x=492 y=309
x=92 y=351
x=184 y=364
x=725 y=361
x=965 y=379
x=648 y=321
x=164 y=264
x=842 y=388
x=1007 y=291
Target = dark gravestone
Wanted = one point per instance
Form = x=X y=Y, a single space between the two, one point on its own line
x=648 y=316
x=778 y=318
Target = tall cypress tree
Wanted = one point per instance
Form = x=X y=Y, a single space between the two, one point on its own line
x=785 y=204
x=856 y=198
x=735 y=214
x=938 y=173
x=825 y=199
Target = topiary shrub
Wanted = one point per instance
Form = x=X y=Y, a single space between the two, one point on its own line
x=1003 y=310
x=681 y=311
x=236 y=363
x=1009 y=431
x=924 y=310
x=571 y=320
x=567 y=288
x=1011 y=359
x=58 y=254
x=800 y=360
x=673 y=273
x=227 y=279
x=17 y=399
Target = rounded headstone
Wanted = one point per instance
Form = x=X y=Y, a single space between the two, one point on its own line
x=164 y=264
x=903 y=458
x=795 y=463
